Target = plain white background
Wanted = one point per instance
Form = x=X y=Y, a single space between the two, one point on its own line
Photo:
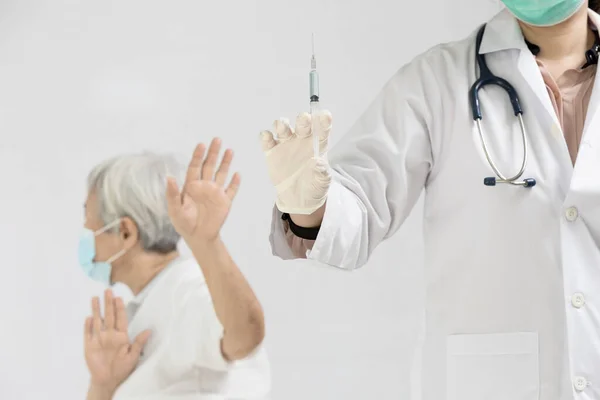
x=84 y=80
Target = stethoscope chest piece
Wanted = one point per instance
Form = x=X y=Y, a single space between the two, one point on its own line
x=492 y=181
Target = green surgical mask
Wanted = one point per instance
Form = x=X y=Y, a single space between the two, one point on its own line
x=543 y=12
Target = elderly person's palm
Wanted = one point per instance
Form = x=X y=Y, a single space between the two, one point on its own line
x=205 y=208
x=200 y=210
x=105 y=355
x=109 y=353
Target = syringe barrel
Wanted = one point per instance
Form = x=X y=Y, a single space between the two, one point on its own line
x=314 y=85
x=315 y=127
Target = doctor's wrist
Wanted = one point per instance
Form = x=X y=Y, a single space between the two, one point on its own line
x=303 y=226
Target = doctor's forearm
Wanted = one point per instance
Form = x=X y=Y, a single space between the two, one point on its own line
x=235 y=303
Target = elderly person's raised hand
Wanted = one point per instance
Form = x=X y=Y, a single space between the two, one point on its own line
x=199 y=210
x=109 y=354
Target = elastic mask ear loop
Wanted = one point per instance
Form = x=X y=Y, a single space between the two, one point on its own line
x=113 y=258
x=107 y=227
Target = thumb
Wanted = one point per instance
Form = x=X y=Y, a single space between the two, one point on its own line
x=267 y=140
x=139 y=343
x=173 y=196
x=325 y=123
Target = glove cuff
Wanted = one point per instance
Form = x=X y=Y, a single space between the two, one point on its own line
x=306 y=209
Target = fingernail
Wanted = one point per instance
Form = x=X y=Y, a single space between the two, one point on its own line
x=264 y=135
x=281 y=125
x=325 y=119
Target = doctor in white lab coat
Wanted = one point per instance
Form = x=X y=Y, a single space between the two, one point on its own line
x=512 y=273
x=194 y=329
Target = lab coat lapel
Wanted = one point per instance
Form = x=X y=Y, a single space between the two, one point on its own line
x=591 y=126
x=503 y=33
x=531 y=73
x=587 y=164
x=591 y=130
x=595 y=98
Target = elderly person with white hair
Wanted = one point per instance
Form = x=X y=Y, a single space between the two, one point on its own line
x=194 y=328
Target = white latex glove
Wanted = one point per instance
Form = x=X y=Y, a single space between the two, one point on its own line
x=301 y=180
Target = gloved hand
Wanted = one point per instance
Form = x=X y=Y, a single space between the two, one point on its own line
x=301 y=180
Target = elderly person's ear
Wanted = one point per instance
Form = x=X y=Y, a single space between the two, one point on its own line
x=129 y=232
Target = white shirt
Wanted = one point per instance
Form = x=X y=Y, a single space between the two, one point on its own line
x=512 y=275
x=183 y=359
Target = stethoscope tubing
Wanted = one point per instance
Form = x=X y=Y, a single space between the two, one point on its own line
x=486 y=77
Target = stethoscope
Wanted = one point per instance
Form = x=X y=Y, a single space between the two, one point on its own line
x=486 y=77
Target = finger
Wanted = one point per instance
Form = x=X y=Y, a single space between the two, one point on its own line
x=96 y=316
x=233 y=187
x=283 y=130
x=325 y=124
x=120 y=315
x=87 y=328
x=210 y=163
x=139 y=343
x=195 y=166
x=303 y=125
x=109 y=310
x=267 y=140
x=223 y=170
x=174 y=202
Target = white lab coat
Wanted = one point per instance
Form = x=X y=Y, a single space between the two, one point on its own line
x=182 y=359
x=507 y=268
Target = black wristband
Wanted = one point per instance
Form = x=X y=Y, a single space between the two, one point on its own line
x=304 y=233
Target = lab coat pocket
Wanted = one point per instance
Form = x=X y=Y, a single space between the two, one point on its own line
x=492 y=367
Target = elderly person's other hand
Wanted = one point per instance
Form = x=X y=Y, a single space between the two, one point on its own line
x=109 y=354
x=199 y=211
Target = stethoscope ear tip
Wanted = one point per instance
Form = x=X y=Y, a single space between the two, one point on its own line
x=529 y=182
x=489 y=181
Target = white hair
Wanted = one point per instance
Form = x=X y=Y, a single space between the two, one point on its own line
x=134 y=186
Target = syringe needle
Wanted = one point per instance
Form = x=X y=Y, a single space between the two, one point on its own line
x=314 y=100
x=313 y=59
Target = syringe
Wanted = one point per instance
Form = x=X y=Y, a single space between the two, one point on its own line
x=314 y=100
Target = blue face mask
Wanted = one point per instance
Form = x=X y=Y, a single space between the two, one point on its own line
x=543 y=12
x=99 y=271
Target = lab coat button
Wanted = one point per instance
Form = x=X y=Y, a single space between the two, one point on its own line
x=577 y=300
x=572 y=214
x=580 y=383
